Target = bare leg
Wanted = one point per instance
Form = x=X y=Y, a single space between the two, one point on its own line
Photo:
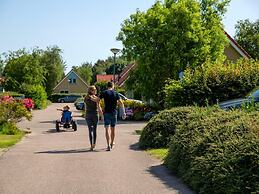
x=112 y=135
x=107 y=135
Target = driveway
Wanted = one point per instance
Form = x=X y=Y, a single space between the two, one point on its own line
x=51 y=163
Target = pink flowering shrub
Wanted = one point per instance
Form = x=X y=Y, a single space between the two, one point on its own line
x=28 y=103
x=6 y=99
x=12 y=110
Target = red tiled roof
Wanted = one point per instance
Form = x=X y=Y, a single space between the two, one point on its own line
x=124 y=75
x=104 y=78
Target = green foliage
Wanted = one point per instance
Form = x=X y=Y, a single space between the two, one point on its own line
x=118 y=68
x=9 y=140
x=106 y=66
x=212 y=83
x=54 y=65
x=101 y=87
x=159 y=130
x=169 y=37
x=9 y=128
x=247 y=35
x=23 y=68
x=84 y=71
x=215 y=151
x=1 y=67
x=37 y=93
x=159 y=153
x=13 y=111
x=36 y=67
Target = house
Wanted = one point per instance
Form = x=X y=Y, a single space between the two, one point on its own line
x=234 y=51
x=71 y=83
x=104 y=78
x=120 y=80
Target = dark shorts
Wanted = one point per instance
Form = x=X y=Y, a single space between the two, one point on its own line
x=110 y=119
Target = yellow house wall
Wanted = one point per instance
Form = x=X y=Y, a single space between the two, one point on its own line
x=231 y=53
x=78 y=87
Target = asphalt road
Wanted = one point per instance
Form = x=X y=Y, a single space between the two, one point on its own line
x=52 y=163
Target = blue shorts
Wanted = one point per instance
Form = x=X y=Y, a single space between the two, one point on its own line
x=110 y=119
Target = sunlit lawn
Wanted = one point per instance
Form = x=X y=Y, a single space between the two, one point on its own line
x=158 y=153
x=9 y=140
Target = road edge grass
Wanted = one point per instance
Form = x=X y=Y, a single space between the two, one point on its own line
x=7 y=141
x=160 y=153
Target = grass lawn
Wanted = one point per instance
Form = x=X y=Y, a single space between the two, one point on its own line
x=9 y=140
x=158 y=153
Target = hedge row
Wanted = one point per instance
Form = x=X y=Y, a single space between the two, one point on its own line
x=212 y=83
x=212 y=150
x=217 y=152
x=159 y=130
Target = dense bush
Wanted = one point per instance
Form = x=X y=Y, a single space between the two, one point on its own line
x=37 y=93
x=9 y=129
x=138 y=109
x=158 y=132
x=211 y=83
x=10 y=112
x=215 y=151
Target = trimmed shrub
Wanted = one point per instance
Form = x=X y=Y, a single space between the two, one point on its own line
x=212 y=83
x=37 y=93
x=12 y=110
x=159 y=130
x=215 y=151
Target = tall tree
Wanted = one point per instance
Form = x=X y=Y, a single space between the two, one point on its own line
x=170 y=36
x=54 y=66
x=247 y=35
x=84 y=71
x=106 y=66
x=22 y=67
x=1 y=66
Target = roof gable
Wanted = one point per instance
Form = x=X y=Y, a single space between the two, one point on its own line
x=71 y=75
x=237 y=47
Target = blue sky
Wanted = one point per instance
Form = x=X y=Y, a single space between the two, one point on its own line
x=84 y=29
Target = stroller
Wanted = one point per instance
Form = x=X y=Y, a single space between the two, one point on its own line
x=66 y=121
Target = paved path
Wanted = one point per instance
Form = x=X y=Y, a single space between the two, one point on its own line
x=52 y=163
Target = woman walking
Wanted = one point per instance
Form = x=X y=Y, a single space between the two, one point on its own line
x=93 y=109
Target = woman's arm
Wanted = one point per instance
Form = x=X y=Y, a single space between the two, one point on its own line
x=100 y=109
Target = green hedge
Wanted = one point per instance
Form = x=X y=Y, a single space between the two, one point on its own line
x=212 y=83
x=215 y=151
x=159 y=130
x=37 y=93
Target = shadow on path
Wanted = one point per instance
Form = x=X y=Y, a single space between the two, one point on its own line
x=72 y=151
x=168 y=179
x=60 y=131
x=135 y=147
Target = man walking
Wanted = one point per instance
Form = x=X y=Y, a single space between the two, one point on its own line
x=111 y=98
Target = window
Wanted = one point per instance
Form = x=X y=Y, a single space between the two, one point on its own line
x=72 y=80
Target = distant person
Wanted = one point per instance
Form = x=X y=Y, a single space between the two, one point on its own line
x=111 y=98
x=92 y=112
